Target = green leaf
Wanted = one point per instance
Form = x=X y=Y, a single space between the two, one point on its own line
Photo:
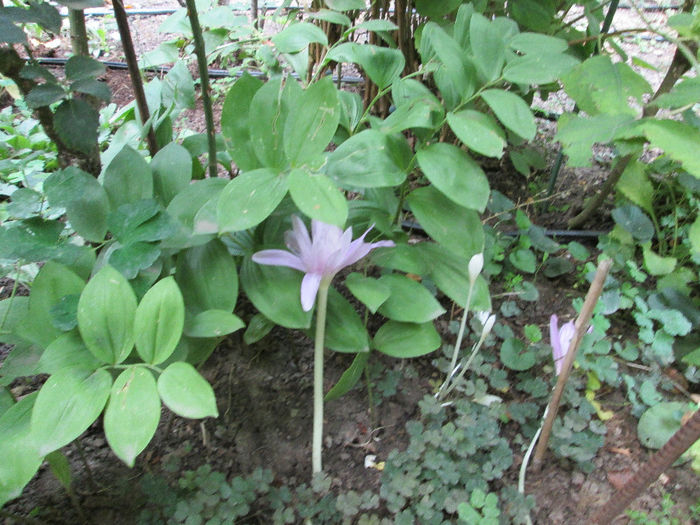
x=258 y=327
x=129 y=260
x=84 y=199
x=184 y=208
x=403 y=257
x=409 y=301
x=64 y=312
x=13 y=311
x=298 y=36
x=331 y=16
x=436 y=10
x=127 y=179
x=539 y=68
x=636 y=186
x=345 y=5
x=524 y=260
x=11 y=34
x=312 y=122
x=678 y=139
x=186 y=392
x=450 y=273
x=516 y=356
x=276 y=292
x=25 y=203
x=634 y=221
x=22 y=361
x=371 y=292
x=349 y=378
x=31 y=240
x=455 y=174
x=53 y=282
x=686 y=92
x=269 y=109
x=556 y=266
x=406 y=339
x=478 y=131
x=178 y=87
x=172 y=172
x=235 y=119
x=20 y=457
x=68 y=403
x=106 y=316
x=487 y=45
x=694 y=235
x=538 y=44
x=132 y=414
x=369 y=159
x=160 y=317
x=44 y=95
x=600 y=87
x=66 y=351
x=76 y=123
x=207 y=277
x=213 y=323
x=512 y=111
x=655 y=264
x=660 y=422
x=383 y=65
x=60 y=468
x=578 y=134
x=249 y=199
x=345 y=331
x=317 y=197
x=92 y=87
x=81 y=67
x=453 y=226
x=141 y=221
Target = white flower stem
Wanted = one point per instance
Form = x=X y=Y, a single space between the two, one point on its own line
x=458 y=343
x=317 y=441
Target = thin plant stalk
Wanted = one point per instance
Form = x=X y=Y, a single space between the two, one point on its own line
x=458 y=344
x=134 y=73
x=78 y=32
x=467 y=364
x=317 y=441
x=581 y=324
x=204 y=83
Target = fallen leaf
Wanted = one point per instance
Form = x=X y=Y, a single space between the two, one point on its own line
x=618 y=450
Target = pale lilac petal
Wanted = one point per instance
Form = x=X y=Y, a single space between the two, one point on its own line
x=556 y=343
x=298 y=239
x=309 y=289
x=278 y=258
x=566 y=334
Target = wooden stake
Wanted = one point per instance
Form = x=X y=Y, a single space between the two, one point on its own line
x=581 y=325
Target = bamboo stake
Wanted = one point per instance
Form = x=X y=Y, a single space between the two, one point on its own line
x=581 y=325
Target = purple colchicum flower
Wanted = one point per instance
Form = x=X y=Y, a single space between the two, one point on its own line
x=320 y=256
x=561 y=339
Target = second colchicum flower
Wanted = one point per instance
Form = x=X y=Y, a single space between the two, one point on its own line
x=320 y=256
x=560 y=339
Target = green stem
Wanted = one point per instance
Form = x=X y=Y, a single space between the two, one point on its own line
x=317 y=441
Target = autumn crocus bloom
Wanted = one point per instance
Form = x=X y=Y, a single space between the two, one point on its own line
x=561 y=339
x=320 y=256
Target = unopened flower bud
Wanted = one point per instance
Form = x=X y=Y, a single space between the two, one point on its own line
x=476 y=264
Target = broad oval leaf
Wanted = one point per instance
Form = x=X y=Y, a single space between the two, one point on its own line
x=68 y=403
x=213 y=323
x=268 y=115
x=512 y=111
x=249 y=199
x=317 y=197
x=539 y=68
x=478 y=131
x=296 y=37
x=635 y=221
x=186 y=392
x=132 y=414
x=76 y=122
x=383 y=65
x=345 y=331
x=536 y=43
x=455 y=174
x=372 y=292
x=184 y=208
x=160 y=317
x=409 y=301
x=106 y=316
x=276 y=293
x=312 y=123
x=487 y=45
x=369 y=159
x=453 y=226
x=516 y=356
x=406 y=339
x=235 y=119
x=127 y=179
x=208 y=278
x=172 y=172
x=66 y=351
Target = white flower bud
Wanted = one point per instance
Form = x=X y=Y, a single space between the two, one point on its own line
x=476 y=264
x=488 y=325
